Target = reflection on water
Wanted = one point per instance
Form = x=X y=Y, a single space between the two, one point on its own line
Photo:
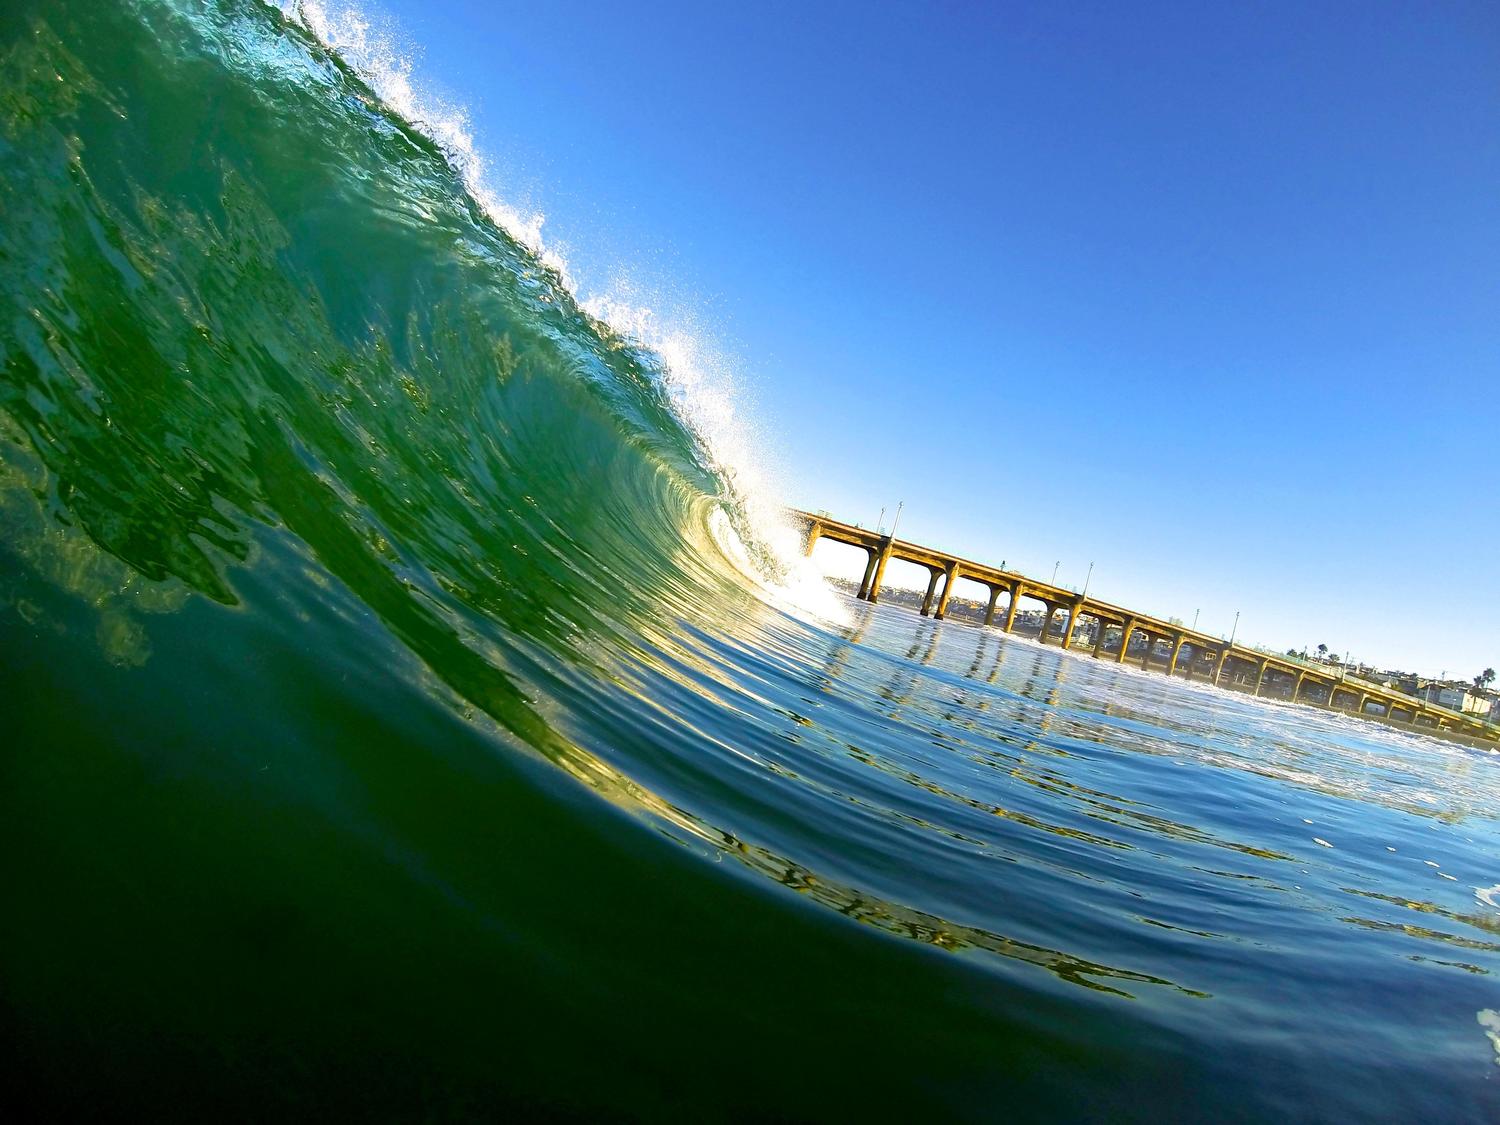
x=963 y=752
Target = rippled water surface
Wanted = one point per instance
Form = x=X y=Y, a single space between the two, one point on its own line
x=394 y=726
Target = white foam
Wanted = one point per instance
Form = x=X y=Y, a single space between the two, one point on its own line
x=798 y=586
x=1489 y=1019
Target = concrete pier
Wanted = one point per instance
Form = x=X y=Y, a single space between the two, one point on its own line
x=1232 y=665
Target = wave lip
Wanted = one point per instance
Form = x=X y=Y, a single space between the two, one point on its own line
x=702 y=388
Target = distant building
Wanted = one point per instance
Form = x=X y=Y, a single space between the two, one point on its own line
x=1401 y=681
x=1458 y=695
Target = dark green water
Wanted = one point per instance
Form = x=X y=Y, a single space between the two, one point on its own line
x=389 y=733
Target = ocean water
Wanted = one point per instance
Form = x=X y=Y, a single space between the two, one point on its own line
x=411 y=712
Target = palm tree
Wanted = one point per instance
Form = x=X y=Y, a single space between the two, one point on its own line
x=1322 y=652
x=1484 y=679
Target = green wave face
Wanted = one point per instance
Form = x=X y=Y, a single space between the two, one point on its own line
x=392 y=730
x=245 y=298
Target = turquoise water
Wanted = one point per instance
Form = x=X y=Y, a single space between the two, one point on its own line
x=395 y=727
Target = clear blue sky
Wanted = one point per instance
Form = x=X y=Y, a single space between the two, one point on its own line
x=1207 y=295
